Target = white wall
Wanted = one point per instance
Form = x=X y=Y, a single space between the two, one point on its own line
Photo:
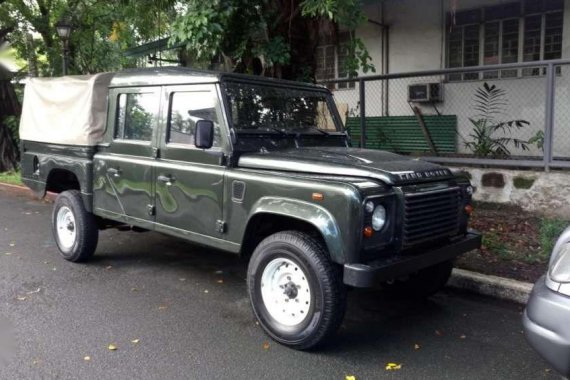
x=417 y=42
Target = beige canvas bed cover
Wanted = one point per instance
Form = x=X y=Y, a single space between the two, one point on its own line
x=69 y=110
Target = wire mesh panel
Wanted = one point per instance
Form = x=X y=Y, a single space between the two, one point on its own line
x=492 y=113
x=561 y=117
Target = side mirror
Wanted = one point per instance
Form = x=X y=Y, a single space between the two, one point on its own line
x=204 y=136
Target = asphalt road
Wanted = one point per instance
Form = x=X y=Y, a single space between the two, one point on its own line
x=186 y=308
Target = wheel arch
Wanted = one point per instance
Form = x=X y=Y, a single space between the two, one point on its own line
x=271 y=215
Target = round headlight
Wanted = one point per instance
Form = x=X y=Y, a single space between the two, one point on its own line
x=369 y=206
x=379 y=218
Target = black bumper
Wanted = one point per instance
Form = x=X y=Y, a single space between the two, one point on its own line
x=367 y=275
x=547 y=327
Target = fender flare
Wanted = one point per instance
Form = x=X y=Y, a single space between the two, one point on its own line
x=313 y=214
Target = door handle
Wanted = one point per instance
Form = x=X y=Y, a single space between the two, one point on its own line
x=166 y=179
x=114 y=172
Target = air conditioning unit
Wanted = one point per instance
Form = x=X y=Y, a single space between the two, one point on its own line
x=425 y=92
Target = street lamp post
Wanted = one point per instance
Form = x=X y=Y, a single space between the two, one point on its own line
x=64 y=31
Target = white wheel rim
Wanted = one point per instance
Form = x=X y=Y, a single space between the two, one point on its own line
x=65 y=227
x=286 y=292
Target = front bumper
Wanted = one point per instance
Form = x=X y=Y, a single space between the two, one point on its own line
x=367 y=275
x=547 y=328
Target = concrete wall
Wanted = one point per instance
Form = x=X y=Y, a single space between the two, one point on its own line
x=545 y=193
x=417 y=42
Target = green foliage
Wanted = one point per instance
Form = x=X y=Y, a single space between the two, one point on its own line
x=550 y=229
x=101 y=31
x=538 y=139
x=346 y=14
x=13 y=125
x=489 y=136
x=243 y=31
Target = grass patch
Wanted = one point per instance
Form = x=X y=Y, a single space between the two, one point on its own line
x=549 y=231
x=12 y=178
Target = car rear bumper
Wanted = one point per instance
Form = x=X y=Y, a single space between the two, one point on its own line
x=546 y=323
x=367 y=275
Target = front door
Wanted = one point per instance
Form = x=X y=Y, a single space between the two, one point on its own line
x=124 y=170
x=189 y=181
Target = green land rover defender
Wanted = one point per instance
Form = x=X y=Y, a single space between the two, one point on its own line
x=255 y=166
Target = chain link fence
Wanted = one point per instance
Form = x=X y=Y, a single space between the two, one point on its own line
x=514 y=115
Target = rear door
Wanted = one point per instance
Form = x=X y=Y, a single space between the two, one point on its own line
x=124 y=170
x=189 y=181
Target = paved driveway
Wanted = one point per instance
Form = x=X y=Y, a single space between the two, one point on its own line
x=187 y=308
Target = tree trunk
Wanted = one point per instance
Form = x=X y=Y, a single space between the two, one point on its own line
x=9 y=106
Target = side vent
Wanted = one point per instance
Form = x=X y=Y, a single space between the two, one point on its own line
x=238 y=191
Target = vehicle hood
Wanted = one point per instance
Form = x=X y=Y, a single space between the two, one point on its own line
x=376 y=164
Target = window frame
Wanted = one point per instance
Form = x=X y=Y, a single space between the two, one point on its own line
x=342 y=41
x=481 y=23
x=192 y=88
x=155 y=127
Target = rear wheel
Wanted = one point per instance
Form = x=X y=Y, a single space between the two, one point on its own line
x=295 y=290
x=422 y=284
x=75 y=230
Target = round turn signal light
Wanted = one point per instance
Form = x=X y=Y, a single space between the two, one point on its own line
x=368 y=232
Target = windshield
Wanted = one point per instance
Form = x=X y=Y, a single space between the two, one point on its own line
x=263 y=108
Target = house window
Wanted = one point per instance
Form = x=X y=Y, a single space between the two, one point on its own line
x=331 y=62
x=525 y=31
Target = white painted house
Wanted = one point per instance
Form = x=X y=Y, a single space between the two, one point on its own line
x=416 y=35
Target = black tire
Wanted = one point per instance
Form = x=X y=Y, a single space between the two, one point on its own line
x=82 y=246
x=423 y=283
x=323 y=277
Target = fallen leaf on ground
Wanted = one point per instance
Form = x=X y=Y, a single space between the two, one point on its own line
x=438 y=333
x=87 y=358
x=12 y=244
x=220 y=281
x=462 y=337
x=21 y=298
x=109 y=267
x=416 y=346
x=112 y=347
x=8 y=253
x=206 y=291
x=266 y=345
x=135 y=341
x=350 y=377
x=34 y=291
x=393 y=367
x=162 y=307
x=134 y=290
x=54 y=269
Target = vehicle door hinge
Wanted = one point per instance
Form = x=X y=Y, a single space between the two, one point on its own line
x=151 y=209
x=220 y=226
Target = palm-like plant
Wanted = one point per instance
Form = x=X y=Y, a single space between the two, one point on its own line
x=490 y=102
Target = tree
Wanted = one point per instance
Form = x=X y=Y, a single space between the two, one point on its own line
x=268 y=37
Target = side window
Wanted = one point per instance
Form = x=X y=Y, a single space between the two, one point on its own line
x=136 y=116
x=186 y=108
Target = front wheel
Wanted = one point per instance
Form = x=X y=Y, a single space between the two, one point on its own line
x=296 y=292
x=74 y=228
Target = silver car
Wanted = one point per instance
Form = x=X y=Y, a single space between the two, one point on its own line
x=547 y=316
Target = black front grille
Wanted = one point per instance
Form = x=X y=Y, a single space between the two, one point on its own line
x=431 y=215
